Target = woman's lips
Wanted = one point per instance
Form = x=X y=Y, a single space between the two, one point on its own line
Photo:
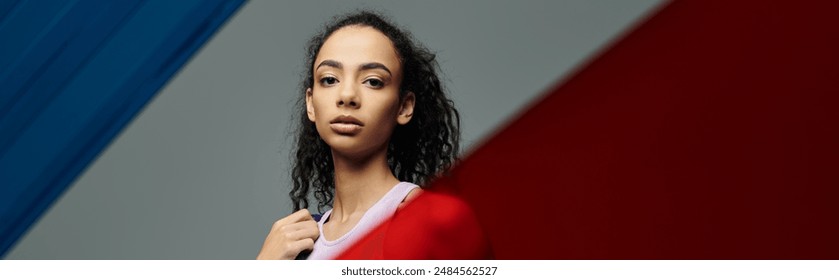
x=345 y=128
x=346 y=125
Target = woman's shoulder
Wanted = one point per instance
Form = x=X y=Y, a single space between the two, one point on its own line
x=433 y=226
x=414 y=193
x=439 y=226
x=441 y=209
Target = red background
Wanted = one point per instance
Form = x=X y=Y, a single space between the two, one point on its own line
x=711 y=131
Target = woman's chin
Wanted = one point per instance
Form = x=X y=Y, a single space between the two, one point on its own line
x=351 y=148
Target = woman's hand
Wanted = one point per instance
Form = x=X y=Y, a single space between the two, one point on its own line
x=289 y=236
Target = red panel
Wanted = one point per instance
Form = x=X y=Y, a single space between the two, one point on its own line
x=433 y=226
x=709 y=132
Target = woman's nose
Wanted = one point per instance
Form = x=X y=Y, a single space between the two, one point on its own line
x=349 y=97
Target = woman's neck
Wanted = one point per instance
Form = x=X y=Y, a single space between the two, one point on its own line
x=359 y=183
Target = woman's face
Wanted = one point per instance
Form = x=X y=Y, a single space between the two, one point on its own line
x=354 y=101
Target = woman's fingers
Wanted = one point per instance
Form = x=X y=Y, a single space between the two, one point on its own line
x=309 y=224
x=302 y=245
x=300 y=230
x=309 y=229
x=300 y=215
x=289 y=236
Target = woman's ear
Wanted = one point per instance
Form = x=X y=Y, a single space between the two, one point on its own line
x=310 y=108
x=406 y=109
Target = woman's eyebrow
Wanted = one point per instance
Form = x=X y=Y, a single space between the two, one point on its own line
x=330 y=63
x=365 y=66
x=374 y=65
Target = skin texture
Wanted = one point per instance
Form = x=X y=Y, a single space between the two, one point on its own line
x=357 y=74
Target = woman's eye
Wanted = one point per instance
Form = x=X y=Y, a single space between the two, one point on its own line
x=328 y=81
x=375 y=83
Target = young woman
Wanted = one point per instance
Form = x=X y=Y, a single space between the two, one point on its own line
x=374 y=122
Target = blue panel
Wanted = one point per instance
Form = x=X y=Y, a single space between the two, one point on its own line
x=73 y=75
x=41 y=71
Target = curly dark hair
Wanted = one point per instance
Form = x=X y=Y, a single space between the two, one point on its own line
x=417 y=152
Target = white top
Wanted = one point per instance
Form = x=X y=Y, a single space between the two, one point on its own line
x=382 y=210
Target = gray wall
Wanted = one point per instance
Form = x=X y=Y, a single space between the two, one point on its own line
x=202 y=172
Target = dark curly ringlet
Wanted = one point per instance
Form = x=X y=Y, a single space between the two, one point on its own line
x=418 y=151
